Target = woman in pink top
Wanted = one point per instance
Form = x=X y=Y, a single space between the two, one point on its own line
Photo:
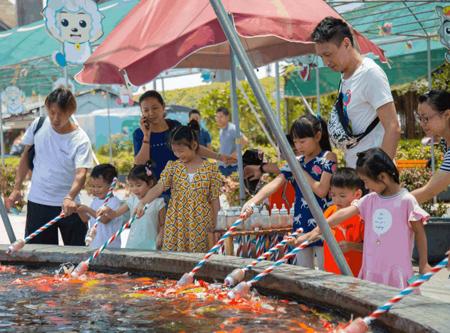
x=392 y=219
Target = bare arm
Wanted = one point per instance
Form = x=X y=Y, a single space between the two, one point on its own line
x=321 y=187
x=215 y=207
x=86 y=212
x=144 y=153
x=350 y=246
x=153 y=193
x=69 y=206
x=388 y=118
x=208 y=153
x=161 y=220
x=342 y=214
x=107 y=214
x=83 y=213
x=267 y=190
x=437 y=184
x=21 y=173
x=422 y=246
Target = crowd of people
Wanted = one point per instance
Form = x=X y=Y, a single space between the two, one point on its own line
x=175 y=187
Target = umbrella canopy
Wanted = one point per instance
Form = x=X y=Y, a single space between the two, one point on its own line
x=157 y=35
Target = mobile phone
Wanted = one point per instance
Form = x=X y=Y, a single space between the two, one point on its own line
x=146 y=122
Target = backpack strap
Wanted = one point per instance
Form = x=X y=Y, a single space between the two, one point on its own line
x=345 y=121
x=39 y=125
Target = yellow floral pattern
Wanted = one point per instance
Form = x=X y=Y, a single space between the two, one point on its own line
x=189 y=213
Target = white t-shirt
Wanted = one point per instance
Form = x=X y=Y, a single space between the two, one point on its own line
x=144 y=230
x=105 y=231
x=365 y=91
x=57 y=157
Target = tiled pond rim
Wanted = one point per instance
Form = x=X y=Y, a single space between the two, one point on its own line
x=350 y=295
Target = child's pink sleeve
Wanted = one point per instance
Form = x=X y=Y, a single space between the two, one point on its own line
x=362 y=205
x=415 y=212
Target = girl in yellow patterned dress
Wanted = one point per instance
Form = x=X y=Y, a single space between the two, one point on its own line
x=195 y=186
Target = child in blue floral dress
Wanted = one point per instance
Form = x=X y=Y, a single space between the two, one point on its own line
x=313 y=146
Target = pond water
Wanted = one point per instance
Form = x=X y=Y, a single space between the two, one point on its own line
x=42 y=301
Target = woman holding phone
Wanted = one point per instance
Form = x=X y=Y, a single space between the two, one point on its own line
x=150 y=140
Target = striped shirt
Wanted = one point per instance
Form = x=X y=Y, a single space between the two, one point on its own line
x=445 y=166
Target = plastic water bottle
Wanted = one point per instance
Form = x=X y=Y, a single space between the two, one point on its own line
x=291 y=216
x=236 y=214
x=221 y=223
x=265 y=219
x=228 y=218
x=275 y=217
x=284 y=217
x=256 y=220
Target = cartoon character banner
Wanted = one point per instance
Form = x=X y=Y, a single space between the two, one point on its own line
x=76 y=24
x=304 y=64
x=444 y=29
x=13 y=98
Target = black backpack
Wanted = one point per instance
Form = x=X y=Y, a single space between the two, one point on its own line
x=32 y=150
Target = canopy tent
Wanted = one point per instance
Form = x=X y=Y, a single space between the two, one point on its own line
x=402 y=28
x=25 y=52
x=405 y=65
x=148 y=41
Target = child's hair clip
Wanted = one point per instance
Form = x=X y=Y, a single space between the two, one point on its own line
x=148 y=171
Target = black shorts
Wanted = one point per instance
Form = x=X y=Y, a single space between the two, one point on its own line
x=73 y=230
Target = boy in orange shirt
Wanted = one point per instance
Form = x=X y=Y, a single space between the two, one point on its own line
x=345 y=187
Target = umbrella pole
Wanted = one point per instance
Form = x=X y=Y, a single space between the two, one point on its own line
x=430 y=85
x=278 y=98
x=318 y=89
x=234 y=106
x=109 y=127
x=2 y=144
x=317 y=213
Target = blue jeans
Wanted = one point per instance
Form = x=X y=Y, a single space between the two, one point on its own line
x=227 y=170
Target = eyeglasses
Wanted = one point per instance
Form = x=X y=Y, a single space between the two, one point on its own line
x=425 y=119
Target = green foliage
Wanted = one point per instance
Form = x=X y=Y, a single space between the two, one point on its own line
x=119 y=143
x=416 y=178
x=122 y=160
x=7 y=179
x=414 y=150
x=440 y=80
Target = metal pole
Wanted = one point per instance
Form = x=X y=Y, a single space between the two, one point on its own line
x=430 y=85
x=278 y=99
x=317 y=213
x=66 y=76
x=235 y=112
x=109 y=128
x=162 y=88
x=2 y=144
x=286 y=113
x=6 y=221
x=277 y=87
x=318 y=89
x=154 y=84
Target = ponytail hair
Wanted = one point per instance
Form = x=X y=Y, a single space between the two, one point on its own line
x=307 y=126
x=143 y=172
x=373 y=162
x=186 y=136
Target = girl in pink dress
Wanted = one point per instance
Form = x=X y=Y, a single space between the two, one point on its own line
x=392 y=218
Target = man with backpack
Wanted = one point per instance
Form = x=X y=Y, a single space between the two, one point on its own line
x=59 y=153
x=364 y=115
